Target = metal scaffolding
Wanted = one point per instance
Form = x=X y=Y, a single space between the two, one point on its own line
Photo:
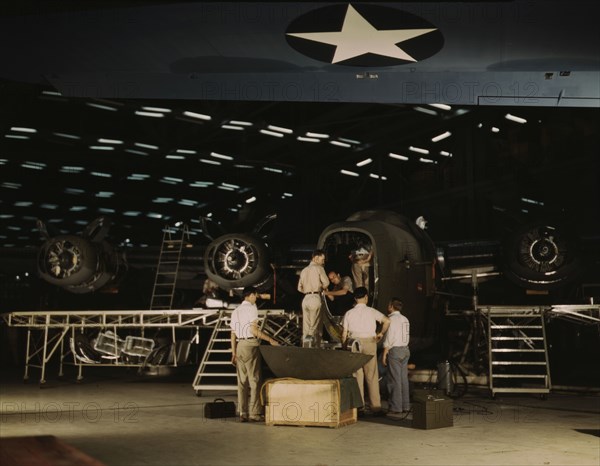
x=46 y=332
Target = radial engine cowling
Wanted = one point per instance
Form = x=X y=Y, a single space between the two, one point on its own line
x=542 y=257
x=237 y=260
x=79 y=265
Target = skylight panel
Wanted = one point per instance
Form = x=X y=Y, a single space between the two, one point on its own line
x=199 y=116
x=418 y=150
x=210 y=162
x=187 y=202
x=23 y=129
x=145 y=146
x=442 y=106
x=149 y=114
x=171 y=179
x=216 y=155
x=349 y=173
x=427 y=111
x=340 y=143
x=442 y=136
x=532 y=201
x=109 y=141
x=157 y=109
x=312 y=134
x=67 y=135
x=350 y=141
x=75 y=191
x=138 y=177
x=71 y=169
x=515 y=118
x=280 y=129
x=397 y=156
x=201 y=184
x=271 y=133
x=102 y=107
x=34 y=165
x=136 y=152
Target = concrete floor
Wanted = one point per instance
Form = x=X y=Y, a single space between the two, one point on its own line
x=123 y=419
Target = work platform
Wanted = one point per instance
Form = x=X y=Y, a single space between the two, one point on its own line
x=48 y=330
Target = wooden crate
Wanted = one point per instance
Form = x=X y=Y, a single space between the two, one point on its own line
x=296 y=402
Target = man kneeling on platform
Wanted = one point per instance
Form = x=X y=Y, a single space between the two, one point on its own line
x=360 y=323
x=245 y=339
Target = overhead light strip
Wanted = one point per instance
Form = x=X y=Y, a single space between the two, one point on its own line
x=515 y=118
x=442 y=136
x=199 y=116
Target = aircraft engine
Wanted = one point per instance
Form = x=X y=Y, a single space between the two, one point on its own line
x=237 y=260
x=80 y=264
x=541 y=257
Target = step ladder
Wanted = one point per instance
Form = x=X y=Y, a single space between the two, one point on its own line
x=168 y=266
x=215 y=371
x=517 y=350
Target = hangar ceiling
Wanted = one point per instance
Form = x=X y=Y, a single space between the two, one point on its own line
x=147 y=162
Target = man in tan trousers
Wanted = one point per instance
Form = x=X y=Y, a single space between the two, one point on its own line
x=360 y=323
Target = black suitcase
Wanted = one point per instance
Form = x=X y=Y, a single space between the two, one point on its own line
x=219 y=408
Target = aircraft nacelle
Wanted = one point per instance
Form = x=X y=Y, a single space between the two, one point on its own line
x=236 y=260
x=81 y=264
x=402 y=264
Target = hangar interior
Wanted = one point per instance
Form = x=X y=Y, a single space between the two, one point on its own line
x=133 y=173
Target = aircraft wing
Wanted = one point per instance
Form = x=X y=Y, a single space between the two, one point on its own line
x=464 y=53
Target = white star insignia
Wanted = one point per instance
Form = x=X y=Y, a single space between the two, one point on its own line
x=359 y=37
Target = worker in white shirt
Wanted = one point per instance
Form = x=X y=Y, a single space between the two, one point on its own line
x=395 y=358
x=360 y=323
x=245 y=340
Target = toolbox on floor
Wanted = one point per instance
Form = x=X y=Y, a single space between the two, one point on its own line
x=219 y=408
x=432 y=410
